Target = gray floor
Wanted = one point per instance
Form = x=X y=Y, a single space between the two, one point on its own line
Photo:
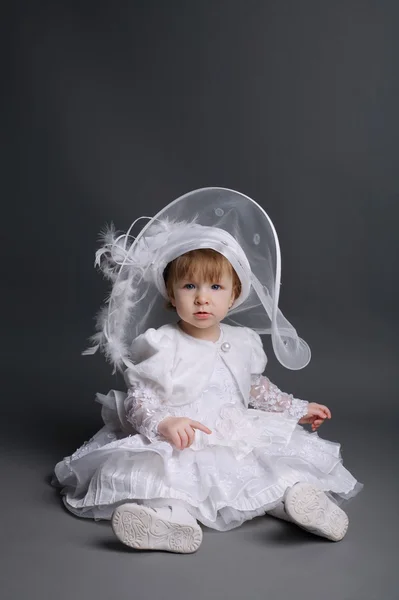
x=49 y=553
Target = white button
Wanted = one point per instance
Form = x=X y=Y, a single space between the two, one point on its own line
x=225 y=346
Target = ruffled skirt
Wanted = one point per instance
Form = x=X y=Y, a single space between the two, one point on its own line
x=222 y=480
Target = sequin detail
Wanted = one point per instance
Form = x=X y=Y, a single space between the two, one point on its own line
x=267 y=396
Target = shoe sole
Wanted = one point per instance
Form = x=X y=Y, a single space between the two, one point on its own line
x=312 y=510
x=139 y=527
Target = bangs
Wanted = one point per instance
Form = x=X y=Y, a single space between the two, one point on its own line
x=205 y=264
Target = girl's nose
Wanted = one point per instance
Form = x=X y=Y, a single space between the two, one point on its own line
x=201 y=298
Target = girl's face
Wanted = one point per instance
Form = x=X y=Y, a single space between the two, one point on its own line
x=201 y=305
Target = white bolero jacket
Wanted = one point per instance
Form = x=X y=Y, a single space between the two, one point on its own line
x=172 y=369
x=178 y=367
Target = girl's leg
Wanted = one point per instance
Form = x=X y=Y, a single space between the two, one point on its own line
x=157 y=526
x=279 y=512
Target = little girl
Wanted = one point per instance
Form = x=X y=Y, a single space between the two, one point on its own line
x=202 y=435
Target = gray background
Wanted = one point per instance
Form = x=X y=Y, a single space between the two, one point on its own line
x=111 y=110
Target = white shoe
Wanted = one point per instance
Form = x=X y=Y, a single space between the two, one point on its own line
x=168 y=528
x=311 y=509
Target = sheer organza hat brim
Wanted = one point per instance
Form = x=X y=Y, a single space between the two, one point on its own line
x=241 y=230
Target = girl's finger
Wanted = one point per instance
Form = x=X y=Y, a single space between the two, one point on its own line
x=184 y=438
x=326 y=411
x=320 y=413
x=176 y=440
x=191 y=434
x=200 y=426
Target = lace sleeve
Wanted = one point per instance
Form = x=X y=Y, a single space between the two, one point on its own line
x=144 y=410
x=266 y=396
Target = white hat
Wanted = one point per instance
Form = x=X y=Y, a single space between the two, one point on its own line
x=218 y=218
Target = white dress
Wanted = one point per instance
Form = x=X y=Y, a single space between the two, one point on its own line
x=240 y=471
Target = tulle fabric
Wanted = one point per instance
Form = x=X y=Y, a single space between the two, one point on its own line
x=222 y=219
x=240 y=471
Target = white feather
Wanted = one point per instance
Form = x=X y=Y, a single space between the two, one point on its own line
x=125 y=269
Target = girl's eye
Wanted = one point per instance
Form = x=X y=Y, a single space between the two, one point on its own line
x=189 y=286
x=216 y=286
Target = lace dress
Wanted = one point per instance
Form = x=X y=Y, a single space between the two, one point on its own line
x=240 y=471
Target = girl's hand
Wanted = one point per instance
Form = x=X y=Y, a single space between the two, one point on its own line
x=316 y=415
x=180 y=431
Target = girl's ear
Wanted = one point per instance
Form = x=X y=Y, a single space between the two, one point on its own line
x=232 y=299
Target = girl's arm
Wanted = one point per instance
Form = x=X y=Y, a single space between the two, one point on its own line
x=149 y=381
x=144 y=410
x=266 y=396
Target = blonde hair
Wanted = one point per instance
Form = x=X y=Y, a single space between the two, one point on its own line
x=204 y=263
